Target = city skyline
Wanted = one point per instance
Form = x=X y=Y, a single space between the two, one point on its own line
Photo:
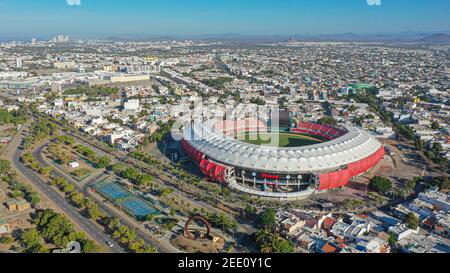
x=224 y=127
x=95 y=19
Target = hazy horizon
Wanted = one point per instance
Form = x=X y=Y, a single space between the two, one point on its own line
x=392 y=35
x=175 y=18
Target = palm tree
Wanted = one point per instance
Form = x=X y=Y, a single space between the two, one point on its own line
x=131 y=235
x=114 y=223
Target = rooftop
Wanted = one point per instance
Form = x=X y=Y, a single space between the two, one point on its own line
x=351 y=147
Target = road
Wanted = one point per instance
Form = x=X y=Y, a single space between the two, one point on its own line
x=85 y=224
x=161 y=246
x=160 y=177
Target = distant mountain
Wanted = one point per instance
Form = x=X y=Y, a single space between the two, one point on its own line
x=407 y=36
x=410 y=37
x=291 y=40
x=138 y=38
x=437 y=39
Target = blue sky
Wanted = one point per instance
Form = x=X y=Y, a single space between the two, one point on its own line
x=194 y=17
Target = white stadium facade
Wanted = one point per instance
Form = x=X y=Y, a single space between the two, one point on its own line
x=284 y=173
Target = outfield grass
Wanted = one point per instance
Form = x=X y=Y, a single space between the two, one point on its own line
x=277 y=139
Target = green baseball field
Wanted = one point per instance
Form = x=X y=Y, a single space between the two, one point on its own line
x=278 y=139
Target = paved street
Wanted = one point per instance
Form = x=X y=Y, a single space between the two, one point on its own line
x=86 y=224
x=162 y=246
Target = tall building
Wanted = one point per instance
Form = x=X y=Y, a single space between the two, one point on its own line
x=61 y=39
x=18 y=63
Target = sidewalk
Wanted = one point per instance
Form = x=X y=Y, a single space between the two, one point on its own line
x=83 y=187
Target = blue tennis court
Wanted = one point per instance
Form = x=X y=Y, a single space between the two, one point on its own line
x=112 y=191
x=138 y=207
x=124 y=199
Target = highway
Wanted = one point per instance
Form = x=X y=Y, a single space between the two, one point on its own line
x=85 y=224
x=161 y=246
x=160 y=178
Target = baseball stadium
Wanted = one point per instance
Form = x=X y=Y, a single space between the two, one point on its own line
x=282 y=161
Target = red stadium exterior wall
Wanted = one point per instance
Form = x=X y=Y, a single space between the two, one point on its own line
x=333 y=180
x=341 y=178
x=209 y=168
x=192 y=152
x=216 y=171
x=213 y=170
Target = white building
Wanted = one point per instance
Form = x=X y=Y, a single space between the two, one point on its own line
x=74 y=165
x=18 y=63
x=438 y=199
x=131 y=105
x=402 y=231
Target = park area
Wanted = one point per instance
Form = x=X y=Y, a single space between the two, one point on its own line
x=124 y=199
x=64 y=156
x=278 y=139
x=76 y=160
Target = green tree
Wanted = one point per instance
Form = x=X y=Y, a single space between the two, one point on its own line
x=89 y=246
x=103 y=162
x=69 y=189
x=411 y=185
x=68 y=140
x=442 y=182
x=327 y=121
x=17 y=193
x=352 y=108
x=144 y=180
x=149 y=249
x=118 y=168
x=435 y=125
x=268 y=219
x=150 y=217
x=46 y=170
x=411 y=220
x=31 y=240
x=92 y=210
x=419 y=143
x=114 y=223
x=165 y=192
x=437 y=147
x=249 y=209
x=283 y=246
x=35 y=199
x=5 y=167
x=172 y=212
x=77 y=199
x=380 y=184
x=392 y=239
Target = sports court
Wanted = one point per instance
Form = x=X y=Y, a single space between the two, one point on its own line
x=138 y=207
x=124 y=199
x=112 y=190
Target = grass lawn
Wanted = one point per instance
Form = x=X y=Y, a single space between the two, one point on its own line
x=85 y=170
x=277 y=139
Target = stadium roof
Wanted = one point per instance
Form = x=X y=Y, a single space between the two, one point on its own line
x=351 y=147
